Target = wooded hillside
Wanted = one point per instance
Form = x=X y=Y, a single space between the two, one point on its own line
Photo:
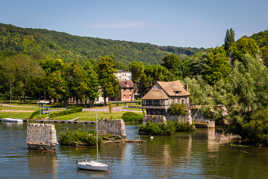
x=40 y=43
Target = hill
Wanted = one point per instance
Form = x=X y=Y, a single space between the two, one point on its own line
x=41 y=43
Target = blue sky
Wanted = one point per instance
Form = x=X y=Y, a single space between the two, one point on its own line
x=195 y=23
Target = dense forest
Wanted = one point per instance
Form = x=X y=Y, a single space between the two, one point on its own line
x=41 y=43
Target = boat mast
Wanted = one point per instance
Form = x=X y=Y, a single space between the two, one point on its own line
x=10 y=94
x=97 y=136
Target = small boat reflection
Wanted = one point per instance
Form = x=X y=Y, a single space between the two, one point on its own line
x=94 y=174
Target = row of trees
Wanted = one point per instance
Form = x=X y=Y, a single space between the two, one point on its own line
x=54 y=79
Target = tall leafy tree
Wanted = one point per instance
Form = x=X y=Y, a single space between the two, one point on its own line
x=174 y=64
x=137 y=71
x=215 y=65
x=108 y=82
x=92 y=82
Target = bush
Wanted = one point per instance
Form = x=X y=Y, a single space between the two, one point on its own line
x=164 y=129
x=132 y=117
x=252 y=128
x=65 y=112
x=78 y=137
x=177 y=109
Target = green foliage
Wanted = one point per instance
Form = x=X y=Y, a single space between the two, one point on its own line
x=164 y=129
x=132 y=117
x=108 y=81
x=78 y=137
x=242 y=47
x=264 y=55
x=66 y=112
x=157 y=129
x=261 y=38
x=137 y=71
x=41 y=43
x=229 y=39
x=174 y=64
x=177 y=109
x=253 y=128
x=215 y=65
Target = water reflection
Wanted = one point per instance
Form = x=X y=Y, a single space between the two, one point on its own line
x=93 y=174
x=213 y=145
x=42 y=163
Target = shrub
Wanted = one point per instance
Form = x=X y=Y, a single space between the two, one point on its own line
x=254 y=128
x=78 y=137
x=132 y=117
x=177 y=109
x=164 y=129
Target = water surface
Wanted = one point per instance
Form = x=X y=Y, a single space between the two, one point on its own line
x=191 y=156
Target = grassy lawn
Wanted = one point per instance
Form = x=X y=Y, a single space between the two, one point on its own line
x=23 y=115
x=133 y=109
x=90 y=116
x=25 y=107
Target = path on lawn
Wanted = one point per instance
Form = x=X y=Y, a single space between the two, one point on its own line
x=106 y=109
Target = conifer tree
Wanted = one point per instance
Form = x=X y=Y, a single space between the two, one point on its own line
x=229 y=39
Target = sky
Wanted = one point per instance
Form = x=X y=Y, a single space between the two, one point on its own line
x=182 y=23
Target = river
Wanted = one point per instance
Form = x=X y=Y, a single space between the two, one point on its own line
x=191 y=156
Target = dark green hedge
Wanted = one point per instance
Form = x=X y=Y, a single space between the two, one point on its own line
x=73 y=138
x=132 y=117
x=165 y=129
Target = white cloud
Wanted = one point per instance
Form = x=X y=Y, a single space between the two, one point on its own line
x=121 y=25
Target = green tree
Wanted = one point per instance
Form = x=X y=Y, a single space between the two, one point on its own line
x=108 y=82
x=92 y=82
x=174 y=64
x=137 y=71
x=229 y=40
x=19 y=72
x=215 y=65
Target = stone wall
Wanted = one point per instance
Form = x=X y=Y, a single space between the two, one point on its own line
x=154 y=118
x=181 y=118
x=112 y=126
x=41 y=136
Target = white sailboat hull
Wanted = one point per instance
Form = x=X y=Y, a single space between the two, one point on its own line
x=12 y=120
x=92 y=165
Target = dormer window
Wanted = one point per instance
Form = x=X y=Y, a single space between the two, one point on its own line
x=177 y=92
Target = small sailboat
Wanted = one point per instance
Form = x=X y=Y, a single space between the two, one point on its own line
x=11 y=120
x=93 y=165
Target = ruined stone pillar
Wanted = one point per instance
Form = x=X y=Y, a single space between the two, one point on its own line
x=41 y=136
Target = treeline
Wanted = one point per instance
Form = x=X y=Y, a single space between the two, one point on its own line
x=41 y=43
x=56 y=80
x=230 y=82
